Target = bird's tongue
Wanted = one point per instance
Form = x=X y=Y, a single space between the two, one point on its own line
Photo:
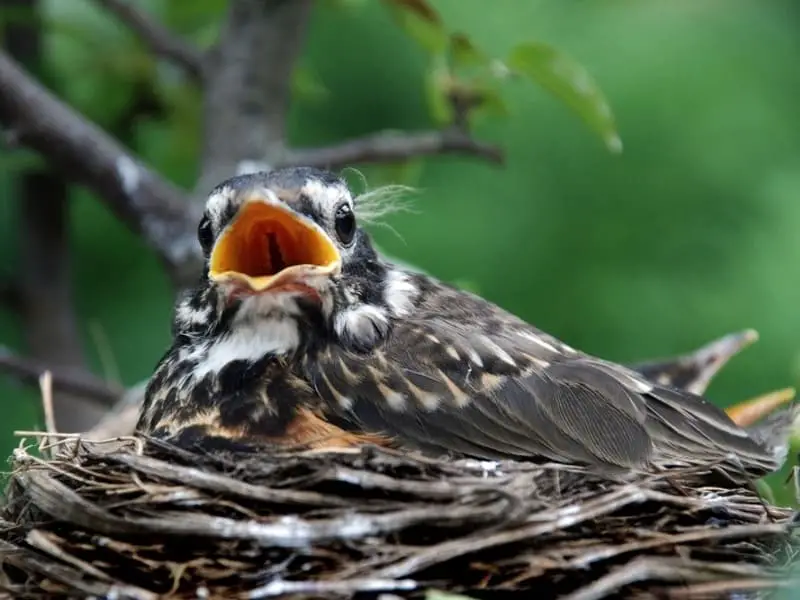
x=268 y=245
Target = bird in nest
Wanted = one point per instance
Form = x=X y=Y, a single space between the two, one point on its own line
x=300 y=333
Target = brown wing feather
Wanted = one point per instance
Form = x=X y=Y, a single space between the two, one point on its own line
x=503 y=389
x=438 y=386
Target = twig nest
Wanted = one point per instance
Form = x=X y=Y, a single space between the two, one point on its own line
x=143 y=520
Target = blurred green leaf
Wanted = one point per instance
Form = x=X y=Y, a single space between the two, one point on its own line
x=420 y=8
x=570 y=82
x=464 y=53
x=307 y=85
x=172 y=139
x=492 y=102
x=207 y=34
x=765 y=491
x=407 y=172
x=20 y=160
x=94 y=63
x=347 y=4
x=184 y=15
x=421 y=22
x=437 y=89
x=13 y=15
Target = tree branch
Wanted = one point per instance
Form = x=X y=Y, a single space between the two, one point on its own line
x=248 y=87
x=46 y=309
x=387 y=146
x=159 y=39
x=149 y=205
x=74 y=381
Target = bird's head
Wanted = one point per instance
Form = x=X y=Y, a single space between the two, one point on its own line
x=288 y=242
x=273 y=236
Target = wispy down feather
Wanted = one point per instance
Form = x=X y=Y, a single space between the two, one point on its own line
x=373 y=205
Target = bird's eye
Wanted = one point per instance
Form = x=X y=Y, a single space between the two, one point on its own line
x=345 y=224
x=204 y=234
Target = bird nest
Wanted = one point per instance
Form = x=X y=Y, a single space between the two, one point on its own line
x=139 y=519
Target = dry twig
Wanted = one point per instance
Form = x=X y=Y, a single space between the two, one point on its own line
x=70 y=380
x=390 y=146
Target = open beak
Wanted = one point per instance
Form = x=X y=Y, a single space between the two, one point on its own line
x=268 y=246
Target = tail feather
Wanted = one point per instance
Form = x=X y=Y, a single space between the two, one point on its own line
x=774 y=432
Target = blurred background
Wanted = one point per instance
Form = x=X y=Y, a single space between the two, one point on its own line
x=689 y=233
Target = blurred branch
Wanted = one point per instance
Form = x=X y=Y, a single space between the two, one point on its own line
x=158 y=38
x=141 y=199
x=74 y=381
x=248 y=87
x=43 y=281
x=390 y=146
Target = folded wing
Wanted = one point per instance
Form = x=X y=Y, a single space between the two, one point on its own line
x=444 y=387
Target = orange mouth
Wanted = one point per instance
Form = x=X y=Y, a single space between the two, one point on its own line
x=268 y=245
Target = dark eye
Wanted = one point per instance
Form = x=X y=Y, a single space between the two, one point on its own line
x=345 y=224
x=204 y=234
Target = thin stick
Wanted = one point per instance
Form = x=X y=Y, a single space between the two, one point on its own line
x=46 y=387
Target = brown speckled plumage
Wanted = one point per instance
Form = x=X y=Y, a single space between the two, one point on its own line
x=384 y=356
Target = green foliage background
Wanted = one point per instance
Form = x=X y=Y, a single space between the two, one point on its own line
x=688 y=234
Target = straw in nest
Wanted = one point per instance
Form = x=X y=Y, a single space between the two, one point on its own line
x=142 y=520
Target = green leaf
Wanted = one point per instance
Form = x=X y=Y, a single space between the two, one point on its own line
x=421 y=22
x=22 y=15
x=571 y=83
x=110 y=60
x=420 y=8
x=307 y=85
x=464 y=53
x=21 y=160
x=765 y=491
x=437 y=90
x=492 y=102
x=348 y=4
x=407 y=172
